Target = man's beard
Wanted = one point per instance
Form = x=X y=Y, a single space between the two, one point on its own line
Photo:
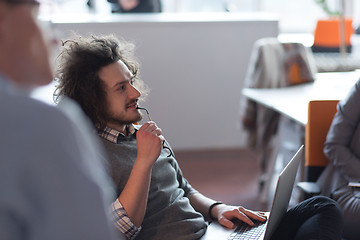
x=124 y=121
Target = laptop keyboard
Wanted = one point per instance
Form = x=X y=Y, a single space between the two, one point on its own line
x=333 y=62
x=245 y=231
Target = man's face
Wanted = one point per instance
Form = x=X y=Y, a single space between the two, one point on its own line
x=25 y=56
x=121 y=95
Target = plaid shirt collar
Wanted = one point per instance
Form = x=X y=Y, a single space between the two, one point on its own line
x=112 y=135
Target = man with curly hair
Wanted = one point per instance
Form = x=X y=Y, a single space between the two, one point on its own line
x=154 y=200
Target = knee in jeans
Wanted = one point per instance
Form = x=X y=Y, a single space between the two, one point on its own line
x=322 y=202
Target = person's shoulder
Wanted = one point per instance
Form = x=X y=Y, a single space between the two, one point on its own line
x=34 y=134
x=23 y=114
x=353 y=96
x=357 y=84
x=23 y=105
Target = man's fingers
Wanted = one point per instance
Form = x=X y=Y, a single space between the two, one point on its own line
x=235 y=213
x=151 y=127
x=260 y=216
x=243 y=217
x=226 y=223
x=229 y=213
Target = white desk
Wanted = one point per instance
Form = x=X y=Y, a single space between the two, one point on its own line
x=292 y=102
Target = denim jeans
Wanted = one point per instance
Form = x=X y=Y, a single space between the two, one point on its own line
x=315 y=218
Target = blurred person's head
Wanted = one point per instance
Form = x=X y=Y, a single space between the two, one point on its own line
x=102 y=75
x=24 y=53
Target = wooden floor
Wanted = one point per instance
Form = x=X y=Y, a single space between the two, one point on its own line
x=230 y=176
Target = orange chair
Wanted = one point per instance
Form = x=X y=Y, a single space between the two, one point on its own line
x=327 y=35
x=320 y=116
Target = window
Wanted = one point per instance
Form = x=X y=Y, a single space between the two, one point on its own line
x=296 y=16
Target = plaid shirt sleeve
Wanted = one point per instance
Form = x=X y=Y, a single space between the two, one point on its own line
x=122 y=222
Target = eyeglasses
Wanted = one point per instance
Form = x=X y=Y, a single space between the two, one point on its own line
x=147 y=112
x=165 y=144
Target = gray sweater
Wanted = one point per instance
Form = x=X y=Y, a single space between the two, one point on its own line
x=169 y=214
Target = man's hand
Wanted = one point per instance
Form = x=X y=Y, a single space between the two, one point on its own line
x=135 y=193
x=149 y=143
x=225 y=213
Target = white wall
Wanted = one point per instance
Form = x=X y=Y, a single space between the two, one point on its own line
x=194 y=64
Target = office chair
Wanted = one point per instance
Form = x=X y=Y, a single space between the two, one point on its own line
x=320 y=116
x=273 y=64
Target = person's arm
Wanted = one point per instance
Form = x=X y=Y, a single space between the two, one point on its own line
x=340 y=146
x=221 y=212
x=224 y=213
x=122 y=221
x=54 y=193
x=135 y=193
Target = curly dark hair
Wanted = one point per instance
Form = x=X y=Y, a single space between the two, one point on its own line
x=79 y=63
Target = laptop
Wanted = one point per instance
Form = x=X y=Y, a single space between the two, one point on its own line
x=279 y=207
